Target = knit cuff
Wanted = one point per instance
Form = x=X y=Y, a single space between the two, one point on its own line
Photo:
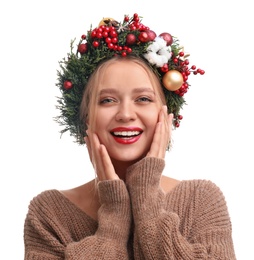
x=146 y=173
x=114 y=215
x=112 y=192
x=143 y=182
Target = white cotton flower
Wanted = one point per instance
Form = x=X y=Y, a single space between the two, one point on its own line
x=158 y=53
x=162 y=43
x=153 y=47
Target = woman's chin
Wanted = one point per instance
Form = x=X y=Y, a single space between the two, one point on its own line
x=128 y=152
x=128 y=156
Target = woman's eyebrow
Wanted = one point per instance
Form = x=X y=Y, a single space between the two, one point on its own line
x=135 y=90
x=140 y=90
x=108 y=91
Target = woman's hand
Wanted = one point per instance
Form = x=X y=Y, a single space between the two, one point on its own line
x=100 y=158
x=162 y=134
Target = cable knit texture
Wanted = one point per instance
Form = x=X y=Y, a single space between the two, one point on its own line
x=136 y=220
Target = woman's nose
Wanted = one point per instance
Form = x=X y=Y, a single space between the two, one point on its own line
x=125 y=113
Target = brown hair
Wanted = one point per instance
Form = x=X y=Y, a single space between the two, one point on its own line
x=88 y=104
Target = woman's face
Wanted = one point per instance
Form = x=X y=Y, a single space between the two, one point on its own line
x=127 y=109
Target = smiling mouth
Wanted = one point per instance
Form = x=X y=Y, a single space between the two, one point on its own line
x=126 y=134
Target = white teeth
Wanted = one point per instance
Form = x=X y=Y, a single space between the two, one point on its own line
x=127 y=133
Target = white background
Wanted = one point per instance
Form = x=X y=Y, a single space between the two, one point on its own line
x=214 y=141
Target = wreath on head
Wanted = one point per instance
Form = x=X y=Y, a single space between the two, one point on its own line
x=162 y=53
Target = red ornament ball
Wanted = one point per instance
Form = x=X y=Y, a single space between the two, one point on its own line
x=143 y=37
x=67 y=84
x=167 y=37
x=82 y=48
x=151 y=35
x=131 y=39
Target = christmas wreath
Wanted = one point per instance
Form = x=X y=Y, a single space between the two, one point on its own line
x=162 y=53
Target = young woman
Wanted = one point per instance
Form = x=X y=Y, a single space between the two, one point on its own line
x=130 y=210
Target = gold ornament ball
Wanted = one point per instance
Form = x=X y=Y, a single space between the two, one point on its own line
x=105 y=21
x=172 y=80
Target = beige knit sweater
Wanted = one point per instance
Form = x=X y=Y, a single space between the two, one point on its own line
x=136 y=220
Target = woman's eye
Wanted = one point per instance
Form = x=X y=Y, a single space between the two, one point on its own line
x=106 y=100
x=144 y=99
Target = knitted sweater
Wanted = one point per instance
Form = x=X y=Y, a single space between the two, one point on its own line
x=136 y=220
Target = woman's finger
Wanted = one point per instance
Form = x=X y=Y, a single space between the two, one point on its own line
x=153 y=152
x=109 y=171
x=156 y=143
x=100 y=158
x=162 y=134
x=93 y=148
x=170 y=123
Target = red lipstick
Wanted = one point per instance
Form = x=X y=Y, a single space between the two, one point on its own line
x=126 y=135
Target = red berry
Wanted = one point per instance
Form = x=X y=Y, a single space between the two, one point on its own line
x=96 y=44
x=93 y=33
x=114 y=40
x=105 y=34
x=126 y=18
x=164 y=68
x=110 y=45
x=177 y=124
x=135 y=17
x=108 y=40
x=67 y=84
x=132 y=27
x=99 y=35
x=113 y=33
x=106 y=29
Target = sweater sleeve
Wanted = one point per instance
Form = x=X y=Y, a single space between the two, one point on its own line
x=157 y=229
x=44 y=240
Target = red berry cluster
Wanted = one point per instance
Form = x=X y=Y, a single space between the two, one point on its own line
x=109 y=34
x=177 y=120
x=182 y=65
